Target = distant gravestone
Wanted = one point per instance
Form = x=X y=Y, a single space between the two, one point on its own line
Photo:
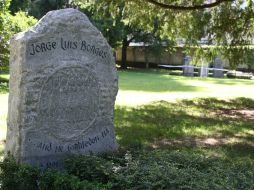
x=203 y=72
x=63 y=86
x=188 y=69
x=218 y=66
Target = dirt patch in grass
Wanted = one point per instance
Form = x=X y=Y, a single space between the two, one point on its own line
x=237 y=113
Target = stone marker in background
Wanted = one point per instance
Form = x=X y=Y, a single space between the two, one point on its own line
x=63 y=86
x=203 y=72
x=188 y=69
x=218 y=64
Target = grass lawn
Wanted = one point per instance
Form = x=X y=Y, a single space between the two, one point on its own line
x=158 y=110
x=141 y=87
x=223 y=128
x=186 y=121
x=150 y=109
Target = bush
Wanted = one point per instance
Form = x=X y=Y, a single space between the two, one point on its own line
x=10 y=25
x=91 y=168
x=163 y=169
x=4 y=88
x=53 y=180
x=15 y=177
x=160 y=169
x=23 y=177
x=184 y=170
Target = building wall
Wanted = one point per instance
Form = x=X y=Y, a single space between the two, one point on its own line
x=139 y=54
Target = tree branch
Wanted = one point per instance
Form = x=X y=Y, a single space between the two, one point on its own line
x=187 y=8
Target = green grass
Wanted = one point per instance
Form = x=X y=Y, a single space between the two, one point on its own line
x=160 y=111
x=189 y=124
x=150 y=111
x=141 y=87
x=186 y=133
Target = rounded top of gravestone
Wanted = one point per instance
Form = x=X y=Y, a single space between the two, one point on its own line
x=218 y=60
x=66 y=26
x=59 y=21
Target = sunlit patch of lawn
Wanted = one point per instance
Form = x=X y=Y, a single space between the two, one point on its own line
x=139 y=87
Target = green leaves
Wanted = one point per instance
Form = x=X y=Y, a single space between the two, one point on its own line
x=228 y=26
x=9 y=25
x=23 y=177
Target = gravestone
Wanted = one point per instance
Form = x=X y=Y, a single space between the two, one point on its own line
x=203 y=72
x=188 y=69
x=63 y=84
x=218 y=66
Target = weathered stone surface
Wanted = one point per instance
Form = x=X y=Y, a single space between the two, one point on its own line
x=218 y=66
x=63 y=86
x=188 y=69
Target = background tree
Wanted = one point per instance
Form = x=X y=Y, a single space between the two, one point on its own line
x=115 y=22
x=10 y=25
x=227 y=25
x=38 y=8
x=18 y=5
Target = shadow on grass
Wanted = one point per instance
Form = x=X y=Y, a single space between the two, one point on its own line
x=214 y=103
x=187 y=124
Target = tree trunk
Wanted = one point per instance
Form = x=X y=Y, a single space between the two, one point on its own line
x=124 y=53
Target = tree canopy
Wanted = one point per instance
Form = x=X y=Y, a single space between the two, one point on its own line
x=9 y=25
x=111 y=20
x=226 y=26
x=193 y=6
x=207 y=28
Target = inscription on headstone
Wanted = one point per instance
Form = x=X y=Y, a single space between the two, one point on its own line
x=68 y=100
x=63 y=86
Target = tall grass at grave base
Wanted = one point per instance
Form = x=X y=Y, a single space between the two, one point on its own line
x=205 y=141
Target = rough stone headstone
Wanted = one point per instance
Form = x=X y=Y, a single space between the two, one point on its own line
x=63 y=84
x=218 y=66
x=188 y=69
